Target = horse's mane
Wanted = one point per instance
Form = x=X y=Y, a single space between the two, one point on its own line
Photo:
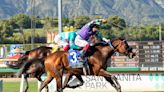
x=120 y=38
x=41 y=48
x=94 y=48
x=102 y=43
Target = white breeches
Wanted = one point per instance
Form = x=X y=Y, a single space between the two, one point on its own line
x=60 y=42
x=80 y=41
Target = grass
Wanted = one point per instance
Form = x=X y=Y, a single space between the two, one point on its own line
x=41 y=31
x=12 y=86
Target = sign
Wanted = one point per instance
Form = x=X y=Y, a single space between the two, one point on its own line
x=150 y=54
x=16 y=49
x=130 y=82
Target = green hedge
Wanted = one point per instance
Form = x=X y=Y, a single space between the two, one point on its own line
x=122 y=69
x=8 y=70
x=109 y=69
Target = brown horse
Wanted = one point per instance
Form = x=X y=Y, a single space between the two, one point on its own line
x=57 y=63
x=32 y=62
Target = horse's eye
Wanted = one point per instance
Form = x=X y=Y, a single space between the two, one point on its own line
x=129 y=49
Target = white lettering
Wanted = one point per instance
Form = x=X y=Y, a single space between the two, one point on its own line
x=129 y=77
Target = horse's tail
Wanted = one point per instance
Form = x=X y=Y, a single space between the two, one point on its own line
x=27 y=53
x=20 y=61
x=49 y=47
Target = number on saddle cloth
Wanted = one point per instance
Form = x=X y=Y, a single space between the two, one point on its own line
x=73 y=56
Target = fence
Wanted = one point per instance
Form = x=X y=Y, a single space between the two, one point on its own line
x=129 y=81
x=150 y=57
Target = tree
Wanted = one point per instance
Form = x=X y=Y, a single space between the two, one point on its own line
x=80 y=21
x=37 y=21
x=65 y=21
x=113 y=27
x=6 y=30
x=117 y=22
x=71 y=22
x=49 y=23
x=22 y=20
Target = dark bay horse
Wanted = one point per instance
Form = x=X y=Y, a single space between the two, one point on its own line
x=57 y=63
x=32 y=62
x=39 y=52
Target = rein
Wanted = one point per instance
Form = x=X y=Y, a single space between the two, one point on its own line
x=110 y=44
x=114 y=48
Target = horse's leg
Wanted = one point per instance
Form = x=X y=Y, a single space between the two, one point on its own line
x=24 y=67
x=40 y=80
x=116 y=81
x=26 y=80
x=45 y=82
x=79 y=77
x=116 y=86
x=110 y=79
x=38 y=76
x=67 y=78
x=59 y=84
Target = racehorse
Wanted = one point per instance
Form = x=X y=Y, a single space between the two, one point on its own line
x=57 y=63
x=32 y=62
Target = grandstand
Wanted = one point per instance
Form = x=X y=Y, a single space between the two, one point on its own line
x=6 y=72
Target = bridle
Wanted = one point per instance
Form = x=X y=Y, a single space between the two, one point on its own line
x=115 y=48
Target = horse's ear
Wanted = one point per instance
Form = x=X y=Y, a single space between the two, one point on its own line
x=122 y=38
x=122 y=42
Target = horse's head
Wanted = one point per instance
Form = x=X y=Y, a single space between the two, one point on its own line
x=120 y=45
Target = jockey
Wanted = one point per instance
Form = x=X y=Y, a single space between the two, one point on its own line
x=85 y=33
x=66 y=40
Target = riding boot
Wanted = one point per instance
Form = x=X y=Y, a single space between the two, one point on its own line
x=83 y=59
x=83 y=53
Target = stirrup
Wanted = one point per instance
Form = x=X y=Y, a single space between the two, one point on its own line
x=84 y=71
x=80 y=59
x=88 y=70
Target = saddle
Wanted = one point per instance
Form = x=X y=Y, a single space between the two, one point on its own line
x=75 y=62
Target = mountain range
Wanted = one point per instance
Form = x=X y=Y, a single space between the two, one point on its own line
x=134 y=12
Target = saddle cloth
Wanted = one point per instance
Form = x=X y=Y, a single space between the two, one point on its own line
x=73 y=57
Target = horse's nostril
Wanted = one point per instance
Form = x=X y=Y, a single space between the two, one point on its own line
x=133 y=55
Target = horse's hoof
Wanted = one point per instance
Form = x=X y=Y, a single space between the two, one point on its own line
x=119 y=90
x=25 y=91
x=113 y=77
x=60 y=90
